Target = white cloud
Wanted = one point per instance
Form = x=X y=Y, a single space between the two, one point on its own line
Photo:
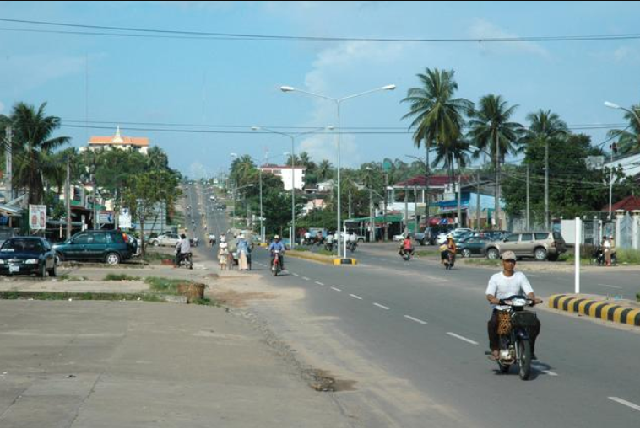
x=345 y=65
x=482 y=29
x=625 y=53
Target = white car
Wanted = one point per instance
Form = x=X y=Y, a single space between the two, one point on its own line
x=166 y=239
x=398 y=238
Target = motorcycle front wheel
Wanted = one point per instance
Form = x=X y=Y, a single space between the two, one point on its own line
x=524 y=359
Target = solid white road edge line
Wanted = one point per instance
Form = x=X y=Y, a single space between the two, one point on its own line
x=415 y=319
x=464 y=339
x=625 y=403
x=379 y=305
x=334 y=288
x=355 y=297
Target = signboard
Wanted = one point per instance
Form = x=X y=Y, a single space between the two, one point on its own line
x=37 y=217
x=595 y=162
x=124 y=219
x=106 y=217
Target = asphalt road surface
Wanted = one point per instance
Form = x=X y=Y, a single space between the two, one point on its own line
x=428 y=326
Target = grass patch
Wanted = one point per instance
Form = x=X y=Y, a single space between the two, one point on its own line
x=628 y=257
x=121 y=277
x=324 y=252
x=14 y=295
x=483 y=262
x=301 y=249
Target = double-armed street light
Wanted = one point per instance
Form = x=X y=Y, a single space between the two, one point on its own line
x=337 y=102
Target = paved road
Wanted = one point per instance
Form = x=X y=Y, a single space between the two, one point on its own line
x=428 y=326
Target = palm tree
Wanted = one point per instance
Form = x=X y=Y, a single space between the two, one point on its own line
x=32 y=131
x=546 y=127
x=437 y=116
x=490 y=123
x=242 y=169
x=305 y=160
x=628 y=138
x=324 y=170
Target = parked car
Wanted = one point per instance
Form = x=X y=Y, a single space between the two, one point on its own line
x=539 y=245
x=27 y=255
x=6 y=233
x=470 y=246
x=109 y=246
x=167 y=239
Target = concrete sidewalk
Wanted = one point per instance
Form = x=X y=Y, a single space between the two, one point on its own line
x=134 y=364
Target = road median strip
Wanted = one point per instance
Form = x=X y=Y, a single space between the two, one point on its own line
x=608 y=310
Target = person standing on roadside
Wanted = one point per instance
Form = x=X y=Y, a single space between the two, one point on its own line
x=607 y=251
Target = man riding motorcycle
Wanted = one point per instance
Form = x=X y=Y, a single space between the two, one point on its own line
x=406 y=246
x=353 y=241
x=501 y=286
x=448 y=248
x=183 y=247
x=277 y=245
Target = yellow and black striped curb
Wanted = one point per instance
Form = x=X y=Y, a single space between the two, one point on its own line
x=605 y=310
x=339 y=262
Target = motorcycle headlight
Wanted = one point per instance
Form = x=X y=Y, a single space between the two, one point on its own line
x=31 y=262
x=519 y=303
x=2 y=261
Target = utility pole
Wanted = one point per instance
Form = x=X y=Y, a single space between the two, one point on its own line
x=386 y=195
x=406 y=208
x=415 y=209
x=478 y=200
x=546 y=184
x=371 y=217
x=459 y=202
x=528 y=202
x=9 y=161
x=67 y=191
x=497 y=207
x=426 y=177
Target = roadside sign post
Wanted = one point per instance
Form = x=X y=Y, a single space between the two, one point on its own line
x=577 y=254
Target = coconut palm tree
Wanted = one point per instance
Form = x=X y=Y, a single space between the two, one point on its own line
x=546 y=128
x=32 y=142
x=490 y=122
x=438 y=118
x=324 y=170
x=628 y=138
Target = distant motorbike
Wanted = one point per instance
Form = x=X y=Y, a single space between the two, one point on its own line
x=598 y=257
x=275 y=264
x=352 y=246
x=328 y=246
x=513 y=331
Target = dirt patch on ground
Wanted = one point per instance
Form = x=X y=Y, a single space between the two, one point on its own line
x=235 y=299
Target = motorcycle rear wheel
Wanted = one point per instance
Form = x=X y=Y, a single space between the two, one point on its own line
x=524 y=359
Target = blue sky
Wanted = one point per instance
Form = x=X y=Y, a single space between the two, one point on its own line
x=234 y=83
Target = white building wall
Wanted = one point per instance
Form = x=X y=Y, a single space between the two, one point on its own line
x=285 y=176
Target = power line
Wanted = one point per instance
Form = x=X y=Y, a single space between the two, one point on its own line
x=281 y=37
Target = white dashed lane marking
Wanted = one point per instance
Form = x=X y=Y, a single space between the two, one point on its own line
x=335 y=288
x=295 y=274
x=319 y=283
x=625 y=403
x=464 y=339
x=305 y=278
x=610 y=286
x=379 y=305
x=355 y=297
x=419 y=321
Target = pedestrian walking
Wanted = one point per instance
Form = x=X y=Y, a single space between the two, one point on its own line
x=243 y=251
x=223 y=255
x=607 y=251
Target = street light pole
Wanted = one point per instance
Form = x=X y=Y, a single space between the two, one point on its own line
x=337 y=102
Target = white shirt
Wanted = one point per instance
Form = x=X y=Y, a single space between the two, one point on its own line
x=352 y=237
x=330 y=239
x=502 y=286
x=185 y=246
x=607 y=245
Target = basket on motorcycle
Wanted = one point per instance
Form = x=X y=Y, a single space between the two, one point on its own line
x=524 y=319
x=504 y=322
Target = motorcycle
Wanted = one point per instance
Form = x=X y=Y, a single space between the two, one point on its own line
x=352 y=246
x=186 y=260
x=513 y=332
x=275 y=264
x=449 y=260
x=406 y=254
x=328 y=246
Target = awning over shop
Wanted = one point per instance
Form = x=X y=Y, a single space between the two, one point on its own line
x=379 y=219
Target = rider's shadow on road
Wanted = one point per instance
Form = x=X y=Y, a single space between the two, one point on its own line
x=537 y=369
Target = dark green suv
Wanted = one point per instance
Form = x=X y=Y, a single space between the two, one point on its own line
x=109 y=246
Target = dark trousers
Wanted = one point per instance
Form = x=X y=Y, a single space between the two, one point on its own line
x=494 y=341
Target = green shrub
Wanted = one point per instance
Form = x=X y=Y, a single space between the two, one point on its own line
x=630 y=257
x=121 y=277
